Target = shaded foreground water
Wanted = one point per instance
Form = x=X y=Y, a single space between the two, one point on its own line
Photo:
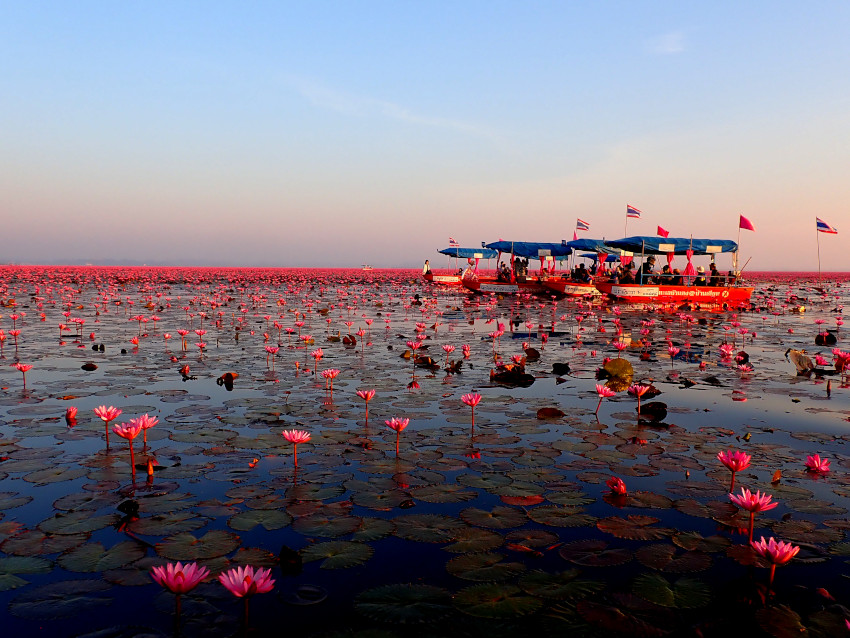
x=500 y=529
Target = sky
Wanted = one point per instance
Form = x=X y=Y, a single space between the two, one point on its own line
x=341 y=133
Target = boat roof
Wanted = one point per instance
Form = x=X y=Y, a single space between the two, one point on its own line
x=652 y=245
x=531 y=249
x=469 y=253
x=596 y=245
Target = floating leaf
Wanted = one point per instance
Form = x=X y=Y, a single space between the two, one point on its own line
x=615 y=620
x=337 y=554
x=76 y=523
x=185 y=547
x=268 y=519
x=781 y=621
x=404 y=604
x=165 y=524
x=497 y=518
x=92 y=557
x=663 y=557
x=685 y=593
x=483 y=566
x=559 y=586
x=61 y=600
x=496 y=601
x=10 y=566
x=474 y=539
x=635 y=527
x=327 y=526
x=594 y=553
x=427 y=528
x=561 y=516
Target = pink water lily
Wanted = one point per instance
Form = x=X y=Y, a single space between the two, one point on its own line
x=295 y=437
x=617 y=486
x=604 y=392
x=753 y=503
x=107 y=414
x=736 y=461
x=816 y=464
x=775 y=552
x=397 y=424
x=367 y=396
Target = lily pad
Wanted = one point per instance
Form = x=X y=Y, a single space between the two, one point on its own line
x=685 y=593
x=635 y=527
x=404 y=604
x=427 y=528
x=497 y=518
x=267 y=519
x=185 y=547
x=93 y=557
x=484 y=567
x=499 y=601
x=61 y=600
x=337 y=554
x=560 y=586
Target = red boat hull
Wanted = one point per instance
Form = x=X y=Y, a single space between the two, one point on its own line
x=445 y=280
x=731 y=296
x=491 y=284
x=572 y=288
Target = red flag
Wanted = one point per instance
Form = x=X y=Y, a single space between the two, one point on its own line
x=746 y=224
x=575 y=235
x=662 y=232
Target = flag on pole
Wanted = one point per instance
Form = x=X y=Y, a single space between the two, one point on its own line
x=631 y=211
x=662 y=232
x=582 y=225
x=575 y=235
x=746 y=224
x=823 y=227
x=452 y=242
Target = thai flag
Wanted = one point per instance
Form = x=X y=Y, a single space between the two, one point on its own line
x=631 y=211
x=823 y=227
x=452 y=242
x=582 y=225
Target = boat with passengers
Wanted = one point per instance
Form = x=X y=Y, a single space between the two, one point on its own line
x=452 y=276
x=692 y=286
x=514 y=276
x=578 y=282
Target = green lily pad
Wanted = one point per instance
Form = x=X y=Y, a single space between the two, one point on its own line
x=185 y=547
x=560 y=586
x=337 y=554
x=595 y=553
x=327 y=526
x=685 y=593
x=268 y=519
x=372 y=529
x=665 y=558
x=498 y=518
x=635 y=527
x=92 y=557
x=499 y=601
x=474 y=539
x=404 y=604
x=10 y=500
x=55 y=474
x=556 y=516
x=427 y=528
x=446 y=493
x=165 y=524
x=33 y=542
x=76 y=523
x=61 y=600
x=484 y=567
x=11 y=566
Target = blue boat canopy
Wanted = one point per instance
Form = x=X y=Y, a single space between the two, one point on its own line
x=469 y=253
x=596 y=245
x=651 y=245
x=608 y=259
x=531 y=249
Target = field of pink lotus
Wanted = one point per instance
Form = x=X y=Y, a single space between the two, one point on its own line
x=217 y=452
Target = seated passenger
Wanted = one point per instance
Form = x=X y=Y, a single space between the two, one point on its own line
x=676 y=279
x=647 y=274
x=666 y=275
x=627 y=276
x=700 y=280
x=582 y=275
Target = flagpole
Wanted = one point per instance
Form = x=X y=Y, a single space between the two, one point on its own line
x=737 y=252
x=817 y=234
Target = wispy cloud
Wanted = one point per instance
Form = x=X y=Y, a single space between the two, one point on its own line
x=668 y=44
x=329 y=98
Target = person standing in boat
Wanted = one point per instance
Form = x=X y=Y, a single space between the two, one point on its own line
x=715 y=278
x=426 y=268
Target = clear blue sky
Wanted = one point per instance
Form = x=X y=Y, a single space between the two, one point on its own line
x=338 y=133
